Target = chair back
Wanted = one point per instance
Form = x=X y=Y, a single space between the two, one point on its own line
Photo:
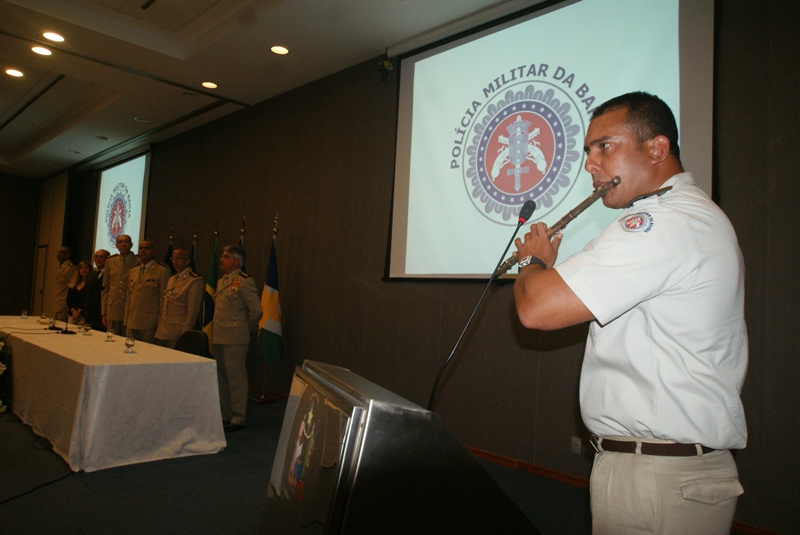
x=194 y=342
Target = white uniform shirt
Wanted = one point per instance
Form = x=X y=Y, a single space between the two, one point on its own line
x=667 y=355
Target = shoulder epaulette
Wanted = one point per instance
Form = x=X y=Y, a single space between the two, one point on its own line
x=244 y=275
x=193 y=274
x=657 y=193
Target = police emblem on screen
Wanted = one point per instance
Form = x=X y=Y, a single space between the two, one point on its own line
x=118 y=209
x=523 y=144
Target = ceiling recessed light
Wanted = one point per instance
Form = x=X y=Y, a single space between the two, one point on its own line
x=141 y=119
x=13 y=72
x=280 y=50
x=42 y=51
x=52 y=36
x=209 y=85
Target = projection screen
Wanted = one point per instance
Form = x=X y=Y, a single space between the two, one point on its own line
x=121 y=203
x=491 y=120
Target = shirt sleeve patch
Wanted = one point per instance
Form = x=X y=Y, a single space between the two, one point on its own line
x=637 y=222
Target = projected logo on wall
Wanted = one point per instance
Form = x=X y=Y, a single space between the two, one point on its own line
x=524 y=144
x=117 y=211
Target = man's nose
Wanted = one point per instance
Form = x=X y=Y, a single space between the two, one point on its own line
x=591 y=164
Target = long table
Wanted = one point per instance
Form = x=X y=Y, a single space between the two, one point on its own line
x=101 y=407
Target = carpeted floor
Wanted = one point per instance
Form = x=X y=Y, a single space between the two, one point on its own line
x=215 y=494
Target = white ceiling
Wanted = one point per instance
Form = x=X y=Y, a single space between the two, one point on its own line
x=124 y=59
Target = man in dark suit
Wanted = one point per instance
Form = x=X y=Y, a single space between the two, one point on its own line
x=92 y=307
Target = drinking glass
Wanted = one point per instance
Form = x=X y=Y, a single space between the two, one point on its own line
x=24 y=313
x=129 y=342
x=109 y=336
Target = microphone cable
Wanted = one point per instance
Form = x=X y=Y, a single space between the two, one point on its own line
x=524 y=214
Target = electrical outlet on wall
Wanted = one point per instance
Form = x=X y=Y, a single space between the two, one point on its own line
x=576 y=445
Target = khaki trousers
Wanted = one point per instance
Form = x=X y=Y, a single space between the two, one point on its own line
x=638 y=494
x=233 y=385
x=117 y=327
x=142 y=335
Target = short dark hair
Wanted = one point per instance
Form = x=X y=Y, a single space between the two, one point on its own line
x=648 y=117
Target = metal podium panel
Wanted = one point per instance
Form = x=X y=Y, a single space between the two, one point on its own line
x=356 y=458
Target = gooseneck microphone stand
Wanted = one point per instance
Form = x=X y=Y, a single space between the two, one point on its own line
x=524 y=214
x=65 y=330
x=55 y=315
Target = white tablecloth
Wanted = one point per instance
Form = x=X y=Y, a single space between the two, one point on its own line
x=101 y=407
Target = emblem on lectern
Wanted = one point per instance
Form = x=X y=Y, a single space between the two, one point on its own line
x=303 y=449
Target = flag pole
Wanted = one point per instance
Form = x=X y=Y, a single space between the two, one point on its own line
x=209 y=293
x=241 y=243
x=263 y=397
x=193 y=255
x=170 y=248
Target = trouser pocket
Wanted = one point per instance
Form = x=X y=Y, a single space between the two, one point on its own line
x=712 y=490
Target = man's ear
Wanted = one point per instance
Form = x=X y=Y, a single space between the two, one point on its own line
x=658 y=149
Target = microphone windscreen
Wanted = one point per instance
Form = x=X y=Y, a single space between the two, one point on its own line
x=526 y=211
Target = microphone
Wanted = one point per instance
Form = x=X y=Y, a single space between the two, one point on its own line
x=524 y=214
x=65 y=330
x=55 y=315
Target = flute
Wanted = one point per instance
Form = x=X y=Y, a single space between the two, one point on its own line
x=564 y=221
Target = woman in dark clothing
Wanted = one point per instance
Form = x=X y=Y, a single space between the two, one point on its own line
x=76 y=291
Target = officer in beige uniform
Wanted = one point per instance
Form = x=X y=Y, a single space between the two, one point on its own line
x=182 y=301
x=146 y=284
x=115 y=290
x=237 y=310
x=66 y=270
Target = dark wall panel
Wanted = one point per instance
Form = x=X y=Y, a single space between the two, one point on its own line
x=19 y=213
x=80 y=215
x=756 y=115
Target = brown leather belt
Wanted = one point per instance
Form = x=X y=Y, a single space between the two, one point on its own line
x=666 y=449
